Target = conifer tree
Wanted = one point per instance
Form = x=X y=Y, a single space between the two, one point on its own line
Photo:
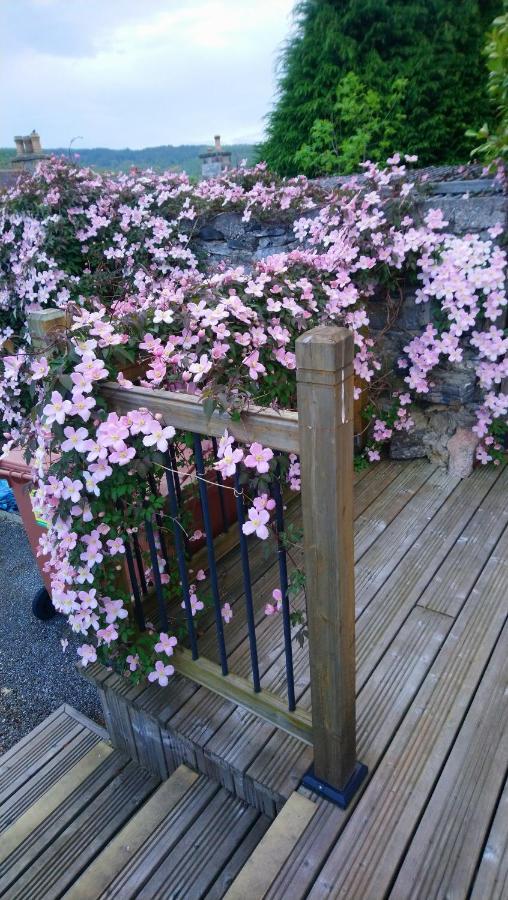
x=434 y=47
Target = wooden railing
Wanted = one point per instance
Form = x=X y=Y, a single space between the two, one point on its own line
x=321 y=434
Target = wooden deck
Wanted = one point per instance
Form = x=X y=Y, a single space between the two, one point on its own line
x=81 y=820
x=432 y=651
x=432 y=821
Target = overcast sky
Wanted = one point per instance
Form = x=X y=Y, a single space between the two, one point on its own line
x=139 y=73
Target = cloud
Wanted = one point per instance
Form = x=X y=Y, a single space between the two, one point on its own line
x=130 y=73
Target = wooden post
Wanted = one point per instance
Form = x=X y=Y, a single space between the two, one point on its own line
x=324 y=358
x=44 y=325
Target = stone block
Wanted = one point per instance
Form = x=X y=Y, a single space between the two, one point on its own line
x=408 y=444
x=470 y=214
x=230 y=224
x=414 y=316
x=263 y=252
x=479 y=213
x=243 y=242
x=217 y=248
x=376 y=311
x=277 y=241
x=454 y=385
x=210 y=233
x=461 y=449
x=267 y=231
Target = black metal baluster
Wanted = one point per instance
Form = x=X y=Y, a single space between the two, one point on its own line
x=283 y=576
x=176 y=477
x=200 y=471
x=244 y=551
x=138 y=606
x=156 y=574
x=220 y=488
x=139 y=563
x=180 y=556
x=158 y=519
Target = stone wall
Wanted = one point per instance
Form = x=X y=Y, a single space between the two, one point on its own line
x=470 y=204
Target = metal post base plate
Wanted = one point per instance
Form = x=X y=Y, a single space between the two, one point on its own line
x=339 y=797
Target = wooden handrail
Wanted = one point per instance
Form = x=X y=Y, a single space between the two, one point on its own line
x=321 y=433
x=277 y=429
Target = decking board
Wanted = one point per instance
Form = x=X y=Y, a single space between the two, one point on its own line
x=391 y=603
x=443 y=854
x=372 y=845
x=491 y=882
x=381 y=704
x=25 y=794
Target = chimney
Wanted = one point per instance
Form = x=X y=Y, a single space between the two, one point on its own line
x=28 y=151
x=36 y=142
x=217 y=142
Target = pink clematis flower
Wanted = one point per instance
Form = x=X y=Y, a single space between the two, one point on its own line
x=229 y=461
x=40 y=368
x=256 y=523
x=200 y=368
x=196 y=604
x=71 y=490
x=116 y=545
x=75 y=439
x=122 y=455
x=114 y=610
x=259 y=458
x=264 y=502
x=255 y=367
x=227 y=613
x=88 y=598
x=159 y=436
x=107 y=635
x=91 y=480
x=82 y=406
x=81 y=382
x=161 y=673
x=165 y=644
x=87 y=653
x=132 y=662
x=57 y=410
x=276 y=606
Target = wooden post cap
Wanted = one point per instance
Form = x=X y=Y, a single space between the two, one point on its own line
x=43 y=324
x=326 y=348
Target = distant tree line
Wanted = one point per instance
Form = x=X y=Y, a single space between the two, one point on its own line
x=182 y=158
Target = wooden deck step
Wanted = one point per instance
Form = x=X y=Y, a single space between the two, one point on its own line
x=45 y=755
x=90 y=823
x=189 y=839
x=265 y=862
x=50 y=844
x=43 y=743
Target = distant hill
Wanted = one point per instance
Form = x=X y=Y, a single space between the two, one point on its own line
x=182 y=158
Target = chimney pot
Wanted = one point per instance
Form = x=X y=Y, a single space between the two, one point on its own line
x=36 y=142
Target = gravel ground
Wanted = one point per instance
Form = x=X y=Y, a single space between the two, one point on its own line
x=35 y=675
